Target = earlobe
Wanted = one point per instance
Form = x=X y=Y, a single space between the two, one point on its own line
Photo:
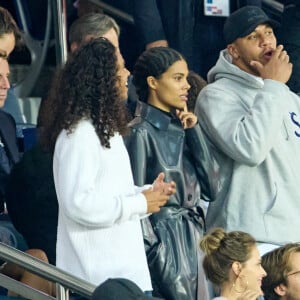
x=151 y=82
x=280 y=290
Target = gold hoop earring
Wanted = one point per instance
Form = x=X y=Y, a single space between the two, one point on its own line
x=234 y=286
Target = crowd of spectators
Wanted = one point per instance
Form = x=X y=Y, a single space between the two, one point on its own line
x=215 y=120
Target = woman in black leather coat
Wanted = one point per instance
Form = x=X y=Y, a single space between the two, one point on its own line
x=165 y=137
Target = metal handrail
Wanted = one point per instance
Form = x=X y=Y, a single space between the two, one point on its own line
x=47 y=271
x=60 y=28
x=114 y=11
x=38 y=50
x=274 y=4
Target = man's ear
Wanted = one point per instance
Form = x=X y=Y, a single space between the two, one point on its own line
x=280 y=290
x=151 y=82
x=233 y=51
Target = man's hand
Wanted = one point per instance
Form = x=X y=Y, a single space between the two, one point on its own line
x=277 y=68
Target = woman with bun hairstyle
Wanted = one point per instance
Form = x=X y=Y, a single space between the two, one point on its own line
x=233 y=264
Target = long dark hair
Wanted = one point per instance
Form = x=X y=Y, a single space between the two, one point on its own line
x=86 y=88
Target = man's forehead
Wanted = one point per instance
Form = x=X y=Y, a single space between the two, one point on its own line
x=260 y=27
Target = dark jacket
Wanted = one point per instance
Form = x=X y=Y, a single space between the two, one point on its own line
x=158 y=143
x=31 y=201
x=9 y=139
x=289 y=36
x=183 y=24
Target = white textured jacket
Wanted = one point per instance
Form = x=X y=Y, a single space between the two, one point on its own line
x=99 y=233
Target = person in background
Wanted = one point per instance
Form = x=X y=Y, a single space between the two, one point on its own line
x=283 y=268
x=187 y=26
x=197 y=83
x=9 y=37
x=99 y=206
x=251 y=122
x=289 y=36
x=30 y=279
x=9 y=152
x=233 y=264
x=165 y=137
x=93 y=25
x=119 y=288
x=31 y=197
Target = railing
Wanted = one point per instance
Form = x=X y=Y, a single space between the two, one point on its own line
x=274 y=4
x=64 y=281
x=113 y=11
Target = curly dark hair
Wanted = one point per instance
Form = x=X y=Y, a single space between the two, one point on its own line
x=85 y=88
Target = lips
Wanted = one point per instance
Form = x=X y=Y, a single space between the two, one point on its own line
x=268 y=53
x=3 y=96
x=184 y=97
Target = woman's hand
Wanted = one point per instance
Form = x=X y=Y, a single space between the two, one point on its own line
x=165 y=188
x=188 y=119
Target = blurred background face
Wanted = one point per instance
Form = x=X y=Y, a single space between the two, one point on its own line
x=252 y=271
x=4 y=83
x=7 y=43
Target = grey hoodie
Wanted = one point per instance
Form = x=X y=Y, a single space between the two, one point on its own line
x=253 y=128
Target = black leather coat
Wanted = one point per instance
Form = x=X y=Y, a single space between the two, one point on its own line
x=159 y=143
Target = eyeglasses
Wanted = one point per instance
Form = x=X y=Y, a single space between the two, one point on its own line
x=293 y=273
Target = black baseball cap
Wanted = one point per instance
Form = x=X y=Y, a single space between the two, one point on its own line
x=243 y=21
x=119 y=289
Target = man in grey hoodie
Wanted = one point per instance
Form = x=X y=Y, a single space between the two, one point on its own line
x=252 y=122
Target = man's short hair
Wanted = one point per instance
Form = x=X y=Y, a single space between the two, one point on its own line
x=93 y=24
x=276 y=264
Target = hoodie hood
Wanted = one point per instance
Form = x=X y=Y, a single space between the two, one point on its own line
x=224 y=68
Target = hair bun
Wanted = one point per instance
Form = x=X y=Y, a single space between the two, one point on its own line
x=212 y=240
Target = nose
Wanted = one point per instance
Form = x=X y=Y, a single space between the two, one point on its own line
x=187 y=86
x=127 y=72
x=4 y=82
x=264 y=273
x=266 y=40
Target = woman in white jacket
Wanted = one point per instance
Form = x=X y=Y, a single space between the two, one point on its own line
x=99 y=233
